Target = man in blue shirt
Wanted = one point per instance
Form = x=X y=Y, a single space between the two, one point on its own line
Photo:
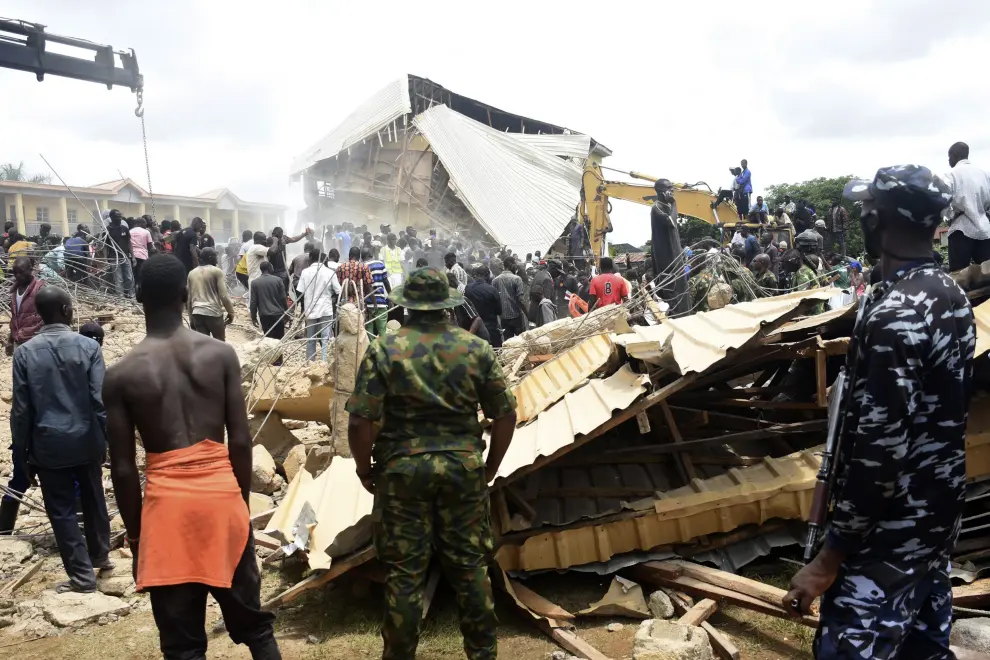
x=77 y=254
x=745 y=189
x=751 y=246
x=59 y=424
x=376 y=304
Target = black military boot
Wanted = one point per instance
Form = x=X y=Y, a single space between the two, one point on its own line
x=8 y=516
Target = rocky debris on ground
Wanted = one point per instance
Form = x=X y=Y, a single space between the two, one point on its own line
x=562 y=655
x=264 y=479
x=318 y=459
x=254 y=352
x=314 y=434
x=972 y=634
x=258 y=503
x=657 y=639
x=119 y=581
x=614 y=627
x=294 y=461
x=561 y=334
x=74 y=609
x=13 y=553
x=268 y=431
x=294 y=424
x=660 y=605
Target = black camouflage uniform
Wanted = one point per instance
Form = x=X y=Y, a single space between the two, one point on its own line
x=901 y=482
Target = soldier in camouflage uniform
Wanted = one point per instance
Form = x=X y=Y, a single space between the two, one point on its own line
x=883 y=569
x=765 y=279
x=804 y=277
x=744 y=288
x=702 y=281
x=424 y=383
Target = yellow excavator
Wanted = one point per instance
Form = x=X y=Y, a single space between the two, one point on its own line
x=691 y=201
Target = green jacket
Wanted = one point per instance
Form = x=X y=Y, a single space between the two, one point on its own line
x=768 y=282
x=425 y=383
x=805 y=279
x=699 y=286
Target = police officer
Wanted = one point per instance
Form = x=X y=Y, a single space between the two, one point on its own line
x=430 y=482
x=883 y=569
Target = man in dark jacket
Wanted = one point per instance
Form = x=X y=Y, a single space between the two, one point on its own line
x=486 y=302
x=268 y=302
x=58 y=423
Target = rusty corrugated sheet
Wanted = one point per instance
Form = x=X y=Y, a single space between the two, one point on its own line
x=550 y=381
x=776 y=488
x=581 y=412
x=695 y=342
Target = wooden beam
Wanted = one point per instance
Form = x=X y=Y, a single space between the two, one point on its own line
x=570 y=642
x=337 y=568
x=722 y=645
x=501 y=512
x=821 y=388
x=699 y=613
x=755 y=588
x=646 y=572
x=520 y=502
x=538 y=604
x=975 y=593
x=683 y=460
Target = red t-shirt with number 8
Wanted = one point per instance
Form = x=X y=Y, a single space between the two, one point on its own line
x=609 y=288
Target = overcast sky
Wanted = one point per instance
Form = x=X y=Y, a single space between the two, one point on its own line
x=234 y=90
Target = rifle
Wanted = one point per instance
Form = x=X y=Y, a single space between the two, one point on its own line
x=840 y=402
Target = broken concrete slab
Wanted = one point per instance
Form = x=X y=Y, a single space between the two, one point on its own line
x=657 y=639
x=119 y=582
x=660 y=605
x=14 y=551
x=269 y=432
x=318 y=459
x=74 y=609
x=259 y=503
x=294 y=461
x=262 y=471
x=972 y=634
x=294 y=424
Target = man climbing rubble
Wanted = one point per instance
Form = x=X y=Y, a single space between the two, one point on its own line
x=191 y=536
x=424 y=384
x=883 y=570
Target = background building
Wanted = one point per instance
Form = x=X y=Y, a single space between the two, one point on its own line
x=226 y=215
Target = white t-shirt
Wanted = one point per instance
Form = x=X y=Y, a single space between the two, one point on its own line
x=255 y=255
x=317 y=283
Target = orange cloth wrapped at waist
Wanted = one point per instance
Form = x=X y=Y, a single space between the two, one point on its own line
x=194 y=522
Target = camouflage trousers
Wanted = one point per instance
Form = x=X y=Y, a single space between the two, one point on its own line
x=885 y=610
x=434 y=501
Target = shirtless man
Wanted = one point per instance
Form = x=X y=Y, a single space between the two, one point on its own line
x=181 y=408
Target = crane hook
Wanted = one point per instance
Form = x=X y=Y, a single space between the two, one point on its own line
x=139 y=110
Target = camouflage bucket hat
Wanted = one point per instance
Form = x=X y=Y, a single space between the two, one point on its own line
x=912 y=191
x=426 y=289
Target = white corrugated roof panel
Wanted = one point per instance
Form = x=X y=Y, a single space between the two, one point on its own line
x=522 y=195
x=571 y=146
x=384 y=107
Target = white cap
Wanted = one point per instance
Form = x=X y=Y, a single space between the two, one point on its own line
x=783 y=245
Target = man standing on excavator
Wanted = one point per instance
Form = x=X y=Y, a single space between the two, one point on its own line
x=745 y=183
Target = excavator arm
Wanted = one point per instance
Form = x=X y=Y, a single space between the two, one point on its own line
x=24 y=46
x=597 y=193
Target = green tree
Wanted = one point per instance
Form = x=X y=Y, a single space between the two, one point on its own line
x=693 y=230
x=11 y=172
x=820 y=193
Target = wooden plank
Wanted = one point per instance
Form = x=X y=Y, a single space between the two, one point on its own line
x=646 y=573
x=699 y=613
x=570 y=642
x=432 y=583
x=755 y=588
x=721 y=644
x=25 y=575
x=262 y=540
x=520 y=501
x=975 y=593
x=682 y=459
x=538 y=603
x=501 y=512
x=317 y=580
x=821 y=388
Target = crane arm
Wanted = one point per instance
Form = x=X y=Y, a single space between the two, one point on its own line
x=24 y=46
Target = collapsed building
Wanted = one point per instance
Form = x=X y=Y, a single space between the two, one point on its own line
x=417 y=154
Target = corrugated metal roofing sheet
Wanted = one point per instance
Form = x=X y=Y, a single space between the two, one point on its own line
x=384 y=107
x=982 y=314
x=570 y=146
x=776 y=488
x=550 y=381
x=695 y=342
x=581 y=412
x=522 y=195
